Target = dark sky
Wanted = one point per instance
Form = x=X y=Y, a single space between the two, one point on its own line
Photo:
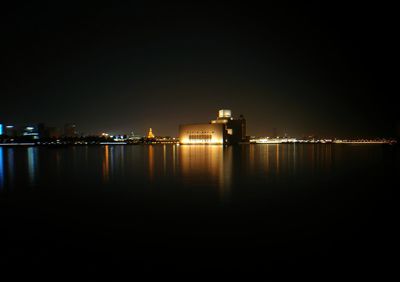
x=303 y=69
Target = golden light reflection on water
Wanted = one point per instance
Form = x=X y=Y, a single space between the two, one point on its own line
x=164 y=159
x=252 y=148
x=106 y=164
x=214 y=168
x=277 y=159
x=151 y=162
x=281 y=160
x=205 y=165
x=294 y=158
x=174 y=160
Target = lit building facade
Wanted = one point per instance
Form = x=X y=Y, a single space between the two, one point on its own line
x=223 y=130
x=31 y=132
x=202 y=133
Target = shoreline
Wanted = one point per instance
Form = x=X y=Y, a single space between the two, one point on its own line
x=21 y=144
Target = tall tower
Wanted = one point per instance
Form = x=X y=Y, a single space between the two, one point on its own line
x=150 y=135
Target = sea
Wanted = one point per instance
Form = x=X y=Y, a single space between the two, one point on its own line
x=114 y=211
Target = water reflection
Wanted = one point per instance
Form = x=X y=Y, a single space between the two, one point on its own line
x=106 y=164
x=215 y=169
x=116 y=162
x=111 y=153
x=225 y=183
x=121 y=159
x=174 y=160
x=58 y=162
x=266 y=159
x=294 y=158
x=32 y=153
x=277 y=159
x=251 y=157
x=151 y=163
x=202 y=165
x=10 y=165
x=164 y=159
x=1 y=169
x=6 y=168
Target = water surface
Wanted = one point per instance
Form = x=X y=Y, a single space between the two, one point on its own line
x=184 y=208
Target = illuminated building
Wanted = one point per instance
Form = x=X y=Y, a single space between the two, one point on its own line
x=223 y=130
x=120 y=138
x=202 y=133
x=1 y=129
x=31 y=131
x=150 y=135
x=10 y=131
x=134 y=137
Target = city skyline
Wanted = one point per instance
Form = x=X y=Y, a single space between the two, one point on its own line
x=223 y=138
x=305 y=70
x=69 y=130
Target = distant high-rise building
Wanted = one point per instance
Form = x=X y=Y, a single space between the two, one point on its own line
x=10 y=131
x=31 y=131
x=70 y=130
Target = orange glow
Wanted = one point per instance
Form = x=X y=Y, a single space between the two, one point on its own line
x=106 y=165
x=150 y=134
x=151 y=163
x=277 y=159
x=214 y=161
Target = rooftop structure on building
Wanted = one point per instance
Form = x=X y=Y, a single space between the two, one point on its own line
x=223 y=130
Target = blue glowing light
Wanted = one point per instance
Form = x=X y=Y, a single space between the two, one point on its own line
x=1 y=129
x=32 y=164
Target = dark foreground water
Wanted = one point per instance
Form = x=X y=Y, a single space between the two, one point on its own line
x=110 y=211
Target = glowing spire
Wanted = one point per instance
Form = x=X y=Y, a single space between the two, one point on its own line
x=150 y=134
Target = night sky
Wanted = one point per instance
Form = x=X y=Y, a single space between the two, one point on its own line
x=304 y=69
